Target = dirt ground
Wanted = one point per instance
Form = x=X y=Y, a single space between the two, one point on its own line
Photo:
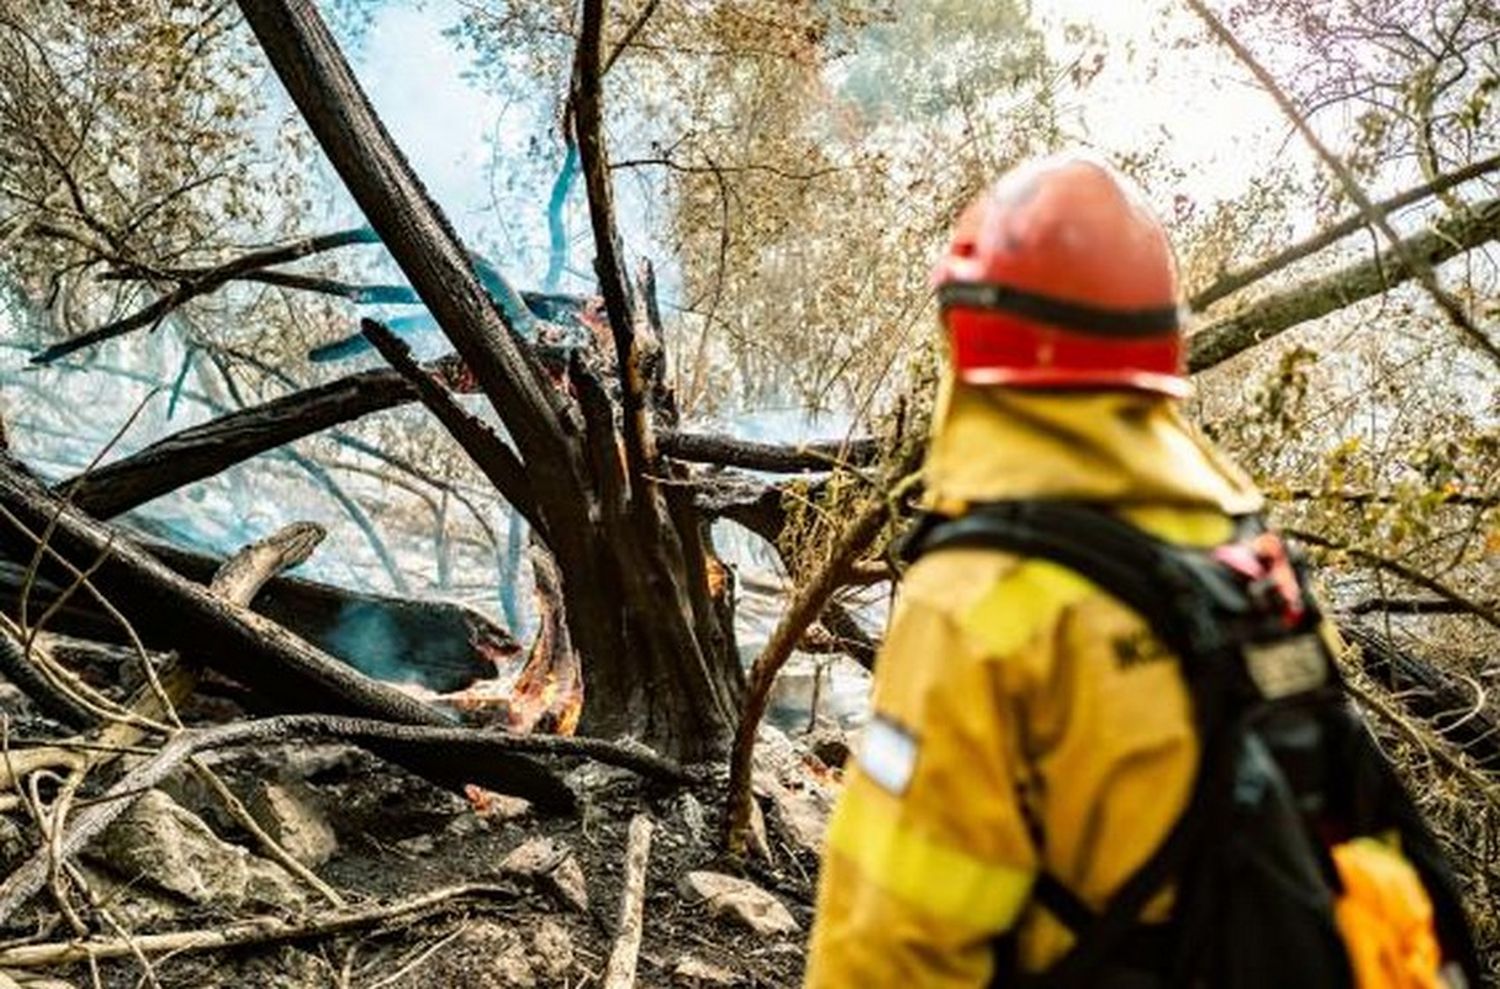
x=398 y=835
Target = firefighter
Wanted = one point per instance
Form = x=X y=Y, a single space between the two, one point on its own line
x=1024 y=722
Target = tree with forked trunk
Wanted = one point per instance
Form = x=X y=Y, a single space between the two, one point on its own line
x=653 y=630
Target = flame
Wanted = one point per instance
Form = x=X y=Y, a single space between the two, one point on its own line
x=718 y=576
x=545 y=694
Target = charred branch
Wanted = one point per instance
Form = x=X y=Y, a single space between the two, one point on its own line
x=19 y=669
x=202 y=451
x=210 y=280
x=423 y=243
x=619 y=302
x=547 y=305
x=774 y=458
x=490 y=453
x=1276 y=313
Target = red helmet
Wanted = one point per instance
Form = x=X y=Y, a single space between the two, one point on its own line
x=1060 y=276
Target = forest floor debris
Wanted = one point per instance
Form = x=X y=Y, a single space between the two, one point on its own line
x=443 y=888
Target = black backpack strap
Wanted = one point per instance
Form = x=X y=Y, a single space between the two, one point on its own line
x=1182 y=600
x=1178 y=596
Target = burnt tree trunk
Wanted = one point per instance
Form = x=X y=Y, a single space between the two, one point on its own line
x=657 y=650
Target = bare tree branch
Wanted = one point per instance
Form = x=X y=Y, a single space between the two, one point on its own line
x=1486 y=613
x=490 y=453
x=210 y=280
x=1233 y=281
x=1417 y=265
x=1276 y=313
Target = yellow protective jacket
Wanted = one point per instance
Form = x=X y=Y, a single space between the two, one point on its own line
x=1021 y=718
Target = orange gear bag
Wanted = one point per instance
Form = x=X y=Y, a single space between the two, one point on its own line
x=1385 y=918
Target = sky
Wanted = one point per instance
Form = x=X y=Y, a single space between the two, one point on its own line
x=1224 y=128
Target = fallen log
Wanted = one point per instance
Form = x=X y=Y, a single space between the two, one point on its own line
x=202 y=451
x=1456 y=708
x=441 y=645
x=282 y=669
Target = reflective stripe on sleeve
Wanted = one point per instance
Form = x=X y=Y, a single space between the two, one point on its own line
x=935 y=878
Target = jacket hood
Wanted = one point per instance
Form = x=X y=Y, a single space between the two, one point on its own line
x=1121 y=447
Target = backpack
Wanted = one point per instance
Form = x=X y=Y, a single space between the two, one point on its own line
x=1289 y=778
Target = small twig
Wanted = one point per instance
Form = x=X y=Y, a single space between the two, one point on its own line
x=620 y=972
x=258 y=930
x=803 y=610
x=272 y=848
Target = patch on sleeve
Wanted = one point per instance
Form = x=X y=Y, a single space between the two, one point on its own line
x=888 y=755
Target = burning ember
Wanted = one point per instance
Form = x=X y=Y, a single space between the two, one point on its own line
x=546 y=694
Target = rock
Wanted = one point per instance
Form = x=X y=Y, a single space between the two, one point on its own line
x=775 y=753
x=760 y=844
x=553 y=866
x=305 y=760
x=803 y=815
x=534 y=857
x=158 y=844
x=136 y=906
x=830 y=745
x=289 y=813
x=513 y=966
x=569 y=884
x=487 y=955
x=796 y=785
x=741 y=901
x=693 y=817
x=494 y=806
x=418 y=845
x=552 y=949
x=696 y=972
